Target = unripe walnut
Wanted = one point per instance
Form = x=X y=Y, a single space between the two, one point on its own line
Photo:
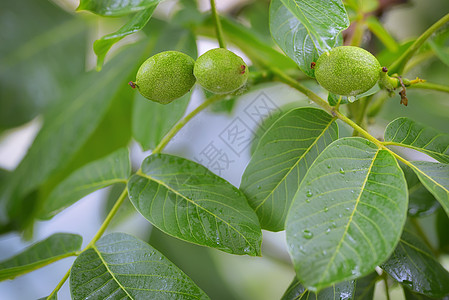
x=165 y=76
x=347 y=70
x=220 y=71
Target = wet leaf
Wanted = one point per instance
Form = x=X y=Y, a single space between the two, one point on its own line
x=280 y=162
x=120 y=266
x=342 y=291
x=187 y=201
x=115 y=7
x=348 y=213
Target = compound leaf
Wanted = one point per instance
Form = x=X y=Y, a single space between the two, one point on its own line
x=283 y=155
x=348 y=213
x=53 y=248
x=120 y=266
x=136 y=23
x=187 y=201
x=343 y=291
x=305 y=29
x=414 y=266
x=109 y=170
x=115 y=7
x=405 y=132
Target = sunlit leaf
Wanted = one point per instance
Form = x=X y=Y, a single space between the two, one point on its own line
x=405 y=132
x=414 y=266
x=435 y=177
x=136 y=23
x=120 y=266
x=112 y=169
x=348 y=214
x=283 y=155
x=115 y=7
x=306 y=29
x=187 y=201
x=342 y=291
x=54 y=248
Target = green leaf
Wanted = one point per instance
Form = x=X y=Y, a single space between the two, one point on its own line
x=152 y=121
x=136 y=23
x=35 y=72
x=405 y=132
x=306 y=29
x=66 y=129
x=283 y=155
x=54 y=248
x=420 y=201
x=348 y=213
x=414 y=266
x=107 y=171
x=116 y=7
x=413 y=296
x=187 y=201
x=439 y=43
x=364 y=287
x=435 y=177
x=343 y=291
x=120 y=266
x=442 y=224
x=258 y=51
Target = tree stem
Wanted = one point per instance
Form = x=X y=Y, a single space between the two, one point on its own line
x=218 y=28
x=175 y=129
x=398 y=65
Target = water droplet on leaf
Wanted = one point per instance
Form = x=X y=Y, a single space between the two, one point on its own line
x=307 y=234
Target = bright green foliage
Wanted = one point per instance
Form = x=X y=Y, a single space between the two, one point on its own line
x=405 y=132
x=348 y=214
x=115 y=8
x=414 y=266
x=166 y=76
x=54 y=248
x=281 y=160
x=112 y=169
x=343 y=291
x=120 y=266
x=347 y=70
x=435 y=177
x=185 y=200
x=221 y=71
x=304 y=32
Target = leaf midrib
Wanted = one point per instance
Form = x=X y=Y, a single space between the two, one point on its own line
x=140 y=173
x=350 y=217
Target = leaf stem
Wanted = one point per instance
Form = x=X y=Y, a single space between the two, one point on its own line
x=60 y=284
x=108 y=219
x=399 y=64
x=218 y=28
x=175 y=129
x=387 y=288
x=430 y=86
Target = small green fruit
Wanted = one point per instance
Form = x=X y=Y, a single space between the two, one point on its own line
x=165 y=76
x=347 y=70
x=220 y=71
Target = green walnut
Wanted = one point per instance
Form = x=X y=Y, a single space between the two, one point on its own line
x=220 y=71
x=347 y=70
x=165 y=76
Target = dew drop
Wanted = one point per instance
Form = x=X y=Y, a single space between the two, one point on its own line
x=307 y=200
x=342 y=171
x=309 y=193
x=351 y=98
x=326 y=209
x=334 y=225
x=328 y=230
x=324 y=252
x=307 y=234
x=258 y=187
x=328 y=166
